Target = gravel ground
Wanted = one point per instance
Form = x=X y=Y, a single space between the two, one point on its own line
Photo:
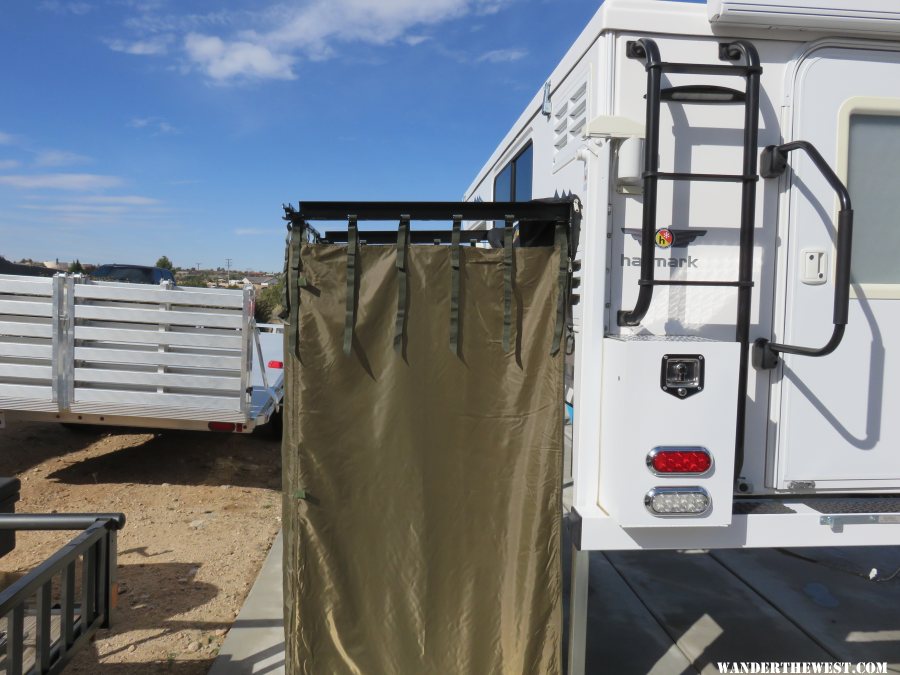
x=202 y=512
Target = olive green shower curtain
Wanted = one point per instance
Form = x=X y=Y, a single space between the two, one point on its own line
x=421 y=485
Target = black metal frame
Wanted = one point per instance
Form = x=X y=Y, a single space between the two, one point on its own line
x=536 y=210
x=740 y=50
x=96 y=545
x=774 y=164
x=415 y=236
x=532 y=217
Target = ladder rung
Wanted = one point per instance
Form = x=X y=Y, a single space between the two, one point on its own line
x=706 y=69
x=682 y=282
x=704 y=94
x=709 y=177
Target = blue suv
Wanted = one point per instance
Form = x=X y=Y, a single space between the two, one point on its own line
x=135 y=274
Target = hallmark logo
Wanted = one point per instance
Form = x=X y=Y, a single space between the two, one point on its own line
x=667 y=236
x=688 y=262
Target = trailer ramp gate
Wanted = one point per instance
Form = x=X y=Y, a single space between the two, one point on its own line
x=422 y=450
x=56 y=609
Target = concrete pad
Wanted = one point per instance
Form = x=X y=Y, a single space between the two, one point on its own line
x=622 y=636
x=709 y=612
x=255 y=643
x=828 y=593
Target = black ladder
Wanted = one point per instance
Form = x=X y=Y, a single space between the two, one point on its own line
x=744 y=62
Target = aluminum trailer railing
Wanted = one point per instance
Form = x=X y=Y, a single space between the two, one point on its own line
x=78 y=351
x=32 y=595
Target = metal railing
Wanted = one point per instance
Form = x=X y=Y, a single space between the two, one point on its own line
x=80 y=614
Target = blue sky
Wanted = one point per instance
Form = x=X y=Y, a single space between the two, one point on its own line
x=131 y=129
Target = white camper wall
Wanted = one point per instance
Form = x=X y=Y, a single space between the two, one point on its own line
x=708 y=141
x=697 y=139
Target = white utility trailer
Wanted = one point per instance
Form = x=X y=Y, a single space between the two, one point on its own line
x=732 y=381
x=78 y=351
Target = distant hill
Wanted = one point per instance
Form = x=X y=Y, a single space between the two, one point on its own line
x=7 y=267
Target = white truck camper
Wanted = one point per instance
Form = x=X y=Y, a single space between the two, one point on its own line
x=78 y=351
x=731 y=379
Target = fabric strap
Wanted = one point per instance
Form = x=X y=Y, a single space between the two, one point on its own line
x=292 y=288
x=562 y=245
x=350 y=315
x=402 y=292
x=454 y=284
x=285 y=313
x=507 y=281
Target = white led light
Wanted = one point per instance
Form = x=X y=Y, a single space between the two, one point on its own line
x=677 y=501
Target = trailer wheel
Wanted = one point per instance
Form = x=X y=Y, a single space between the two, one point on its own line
x=272 y=429
x=84 y=429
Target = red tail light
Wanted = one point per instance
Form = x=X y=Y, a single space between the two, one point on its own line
x=222 y=426
x=275 y=364
x=679 y=461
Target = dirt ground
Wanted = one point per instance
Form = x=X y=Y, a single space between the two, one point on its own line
x=202 y=512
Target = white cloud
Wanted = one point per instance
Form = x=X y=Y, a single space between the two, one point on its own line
x=149 y=22
x=156 y=124
x=73 y=209
x=7 y=139
x=267 y=43
x=311 y=26
x=76 y=182
x=48 y=158
x=156 y=46
x=222 y=60
x=502 y=56
x=66 y=7
x=123 y=200
x=7 y=164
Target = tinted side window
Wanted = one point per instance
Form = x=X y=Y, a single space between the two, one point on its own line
x=503 y=185
x=524 y=164
x=131 y=275
x=513 y=183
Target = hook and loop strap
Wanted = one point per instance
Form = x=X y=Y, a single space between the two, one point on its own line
x=292 y=287
x=402 y=249
x=565 y=268
x=507 y=281
x=286 y=313
x=454 y=284
x=352 y=271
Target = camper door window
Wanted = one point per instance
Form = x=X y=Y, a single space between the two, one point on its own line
x=874 y=162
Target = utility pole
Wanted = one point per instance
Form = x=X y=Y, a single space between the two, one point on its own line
x=198 y=267
x=228 y=271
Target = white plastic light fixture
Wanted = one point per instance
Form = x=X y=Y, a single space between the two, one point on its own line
x=678 y=501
